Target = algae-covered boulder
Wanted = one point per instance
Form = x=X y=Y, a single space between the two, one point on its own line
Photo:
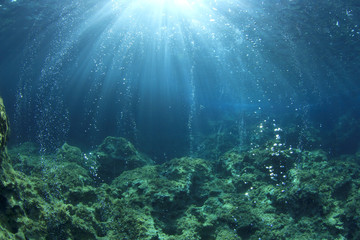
x=4 y=125
x=167 y=195
x=21 y=210
x=70 y=154
x=66 y=169
x=115 y=155
x=170 y=185
x=25 y=158
x=63 y=176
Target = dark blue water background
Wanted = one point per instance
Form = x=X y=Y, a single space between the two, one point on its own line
x=167 y=74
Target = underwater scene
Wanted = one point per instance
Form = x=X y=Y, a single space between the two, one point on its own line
x=179 y=119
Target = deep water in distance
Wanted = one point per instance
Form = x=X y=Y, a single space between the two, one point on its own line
x=81 y=71
x=177 y=107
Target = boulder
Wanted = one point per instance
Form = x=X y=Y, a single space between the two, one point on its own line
x=116 y=155
x=4 y=126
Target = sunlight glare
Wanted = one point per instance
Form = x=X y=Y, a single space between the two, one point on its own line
x=170 y=6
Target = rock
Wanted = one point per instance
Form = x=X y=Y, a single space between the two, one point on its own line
x=88 y=161
x=25 y=158
x=267 y=192
x=4 y=126
x=116 y=155
x=70 y=154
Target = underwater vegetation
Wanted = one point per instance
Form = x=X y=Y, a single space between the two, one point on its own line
x=179 y=120
x=115 y=192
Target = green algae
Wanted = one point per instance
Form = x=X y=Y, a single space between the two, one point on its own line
x=265 y=192
x=4 y=126
x=115 y=155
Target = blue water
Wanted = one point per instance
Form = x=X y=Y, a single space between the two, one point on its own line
x=167 y=74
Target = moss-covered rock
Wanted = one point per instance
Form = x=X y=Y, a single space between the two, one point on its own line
x=69 y=153
x=271 y=191
x=116 y=155
x=25 y=158
x=4 y=126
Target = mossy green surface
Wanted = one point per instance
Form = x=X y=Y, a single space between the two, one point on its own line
x=264 y=193
x=4 y=126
